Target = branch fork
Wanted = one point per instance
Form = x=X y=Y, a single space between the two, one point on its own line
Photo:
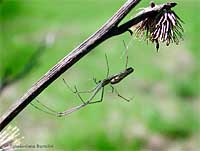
x=109 y=29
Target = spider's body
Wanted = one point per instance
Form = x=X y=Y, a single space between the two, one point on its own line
x=118 y=77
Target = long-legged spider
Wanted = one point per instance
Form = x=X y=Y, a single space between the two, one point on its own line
x=109 y=80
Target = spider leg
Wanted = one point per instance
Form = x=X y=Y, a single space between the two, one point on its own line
x=75 y=92
x=112 y=88
x=108 y=70
x=126 y=47
x=78 y=94
x=87 y=91
x=45 y=106
x=119 y=95
x=128 y=100
x=71 y=110
x=68 y=86
x=95 y=80
x=101 y=99
x=54 y=113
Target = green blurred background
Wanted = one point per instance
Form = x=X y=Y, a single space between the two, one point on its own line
x=165 y=110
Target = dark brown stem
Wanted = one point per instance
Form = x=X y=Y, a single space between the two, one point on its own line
x=109 y=29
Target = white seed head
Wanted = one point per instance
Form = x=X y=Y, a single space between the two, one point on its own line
x=164 y=27
x=9 y=138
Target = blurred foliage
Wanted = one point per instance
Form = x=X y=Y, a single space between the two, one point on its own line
x=188 y=88
x=165 y=85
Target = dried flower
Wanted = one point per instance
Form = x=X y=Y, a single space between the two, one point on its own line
x=164 y=27
x=9 y=138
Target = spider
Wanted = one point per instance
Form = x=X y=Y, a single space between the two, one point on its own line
x=109 y=80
